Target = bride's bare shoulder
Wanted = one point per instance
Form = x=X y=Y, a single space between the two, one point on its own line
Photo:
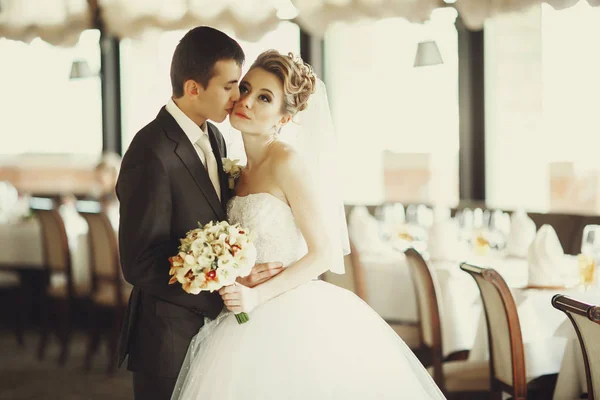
x=285 y=159
x=283 y=153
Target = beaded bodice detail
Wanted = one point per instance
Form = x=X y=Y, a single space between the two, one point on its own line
x=276 y=235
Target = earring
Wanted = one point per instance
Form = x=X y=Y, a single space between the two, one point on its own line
x=276 y=131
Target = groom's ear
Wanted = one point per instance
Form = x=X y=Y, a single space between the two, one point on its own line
x=191 y=87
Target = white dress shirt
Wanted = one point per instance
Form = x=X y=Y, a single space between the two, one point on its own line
x=189 y=127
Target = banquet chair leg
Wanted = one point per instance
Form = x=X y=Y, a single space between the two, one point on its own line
x=44 y=327
x=468 y=395
x=93 y=338
x=460 y=355
x=112 y=355
x=496 y=395
x=20 y=311
x=542 y=387
x=113 y=341
x=65 y=331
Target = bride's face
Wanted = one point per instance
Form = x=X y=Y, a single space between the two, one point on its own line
x=258 y=110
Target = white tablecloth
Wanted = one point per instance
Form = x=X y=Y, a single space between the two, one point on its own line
x=544 y=348
x=21 y=247
x=391 y=293
x=389 y=287
x=21 y=244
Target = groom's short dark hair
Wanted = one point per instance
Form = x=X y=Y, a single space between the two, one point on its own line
x=197 y=53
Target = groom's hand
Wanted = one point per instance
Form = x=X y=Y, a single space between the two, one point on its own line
x=261 y=273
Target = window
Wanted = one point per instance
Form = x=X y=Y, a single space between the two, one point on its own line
x=382 y=105
x=145 y=82
x=542 y=88
x=43 y=110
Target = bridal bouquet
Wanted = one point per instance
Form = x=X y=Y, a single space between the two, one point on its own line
x=213 y=256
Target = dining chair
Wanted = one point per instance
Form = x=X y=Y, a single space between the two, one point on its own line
x=110 y=291
x=586 y=321
x=460 y=378
x=59 y=296
x=506 y=351
x=10 y=283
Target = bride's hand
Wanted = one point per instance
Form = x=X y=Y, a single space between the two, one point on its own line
x=239 y=298
x=261 y=273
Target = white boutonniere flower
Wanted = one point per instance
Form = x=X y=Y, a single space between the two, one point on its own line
x=233 y=170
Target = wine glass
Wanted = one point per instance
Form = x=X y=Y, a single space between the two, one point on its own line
x=590 y=255
x=587 y=270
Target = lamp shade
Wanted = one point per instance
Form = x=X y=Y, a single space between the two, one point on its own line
x=428 y=53
x=80 y=69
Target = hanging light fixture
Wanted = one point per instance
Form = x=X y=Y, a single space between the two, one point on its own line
x=428 y=53
x=80 y=69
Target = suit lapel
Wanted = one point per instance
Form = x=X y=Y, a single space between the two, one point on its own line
x=223 y=180
x=188 y=156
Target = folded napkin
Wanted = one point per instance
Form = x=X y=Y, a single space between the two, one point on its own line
x=393 y=213
x=364 y=231
x=522 y=234
x=444 y=241
x=441 y=213
x=75 y=224
x=8 y=200
x=548 y=265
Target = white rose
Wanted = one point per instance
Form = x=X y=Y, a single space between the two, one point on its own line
x=218 y=248
x=198 y=246
x=193 y=287
x=213 y=230
x=226 y=275
x=213 y=285
x=245 y=259
x=231 y=167
x=208 y=225
x=234 y=235
x=204 y=261
x=208 y=253
x=189 y=260
x=225 y=261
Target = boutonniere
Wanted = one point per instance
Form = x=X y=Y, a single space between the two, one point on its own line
x=233 y=171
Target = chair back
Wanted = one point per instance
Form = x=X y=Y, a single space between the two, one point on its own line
x=428 y=310
x=586 y=321
x=507 y=357
x=104 y=255
x=358 y=273
x=57 y=257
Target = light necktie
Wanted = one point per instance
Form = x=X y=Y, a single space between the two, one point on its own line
x=211 y=162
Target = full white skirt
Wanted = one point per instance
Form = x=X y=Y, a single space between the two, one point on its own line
x=317 y=341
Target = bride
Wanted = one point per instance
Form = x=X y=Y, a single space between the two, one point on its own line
x=306 y=339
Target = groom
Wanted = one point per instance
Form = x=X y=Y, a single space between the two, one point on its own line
x=172 y=178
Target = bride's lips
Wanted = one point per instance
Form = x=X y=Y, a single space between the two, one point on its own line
x=241 y=115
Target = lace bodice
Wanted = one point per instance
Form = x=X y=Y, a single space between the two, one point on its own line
x=277 y=237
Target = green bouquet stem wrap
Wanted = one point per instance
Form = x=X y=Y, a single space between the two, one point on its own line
x=242 y=318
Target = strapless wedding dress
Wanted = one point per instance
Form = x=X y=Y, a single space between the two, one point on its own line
x=314 y=342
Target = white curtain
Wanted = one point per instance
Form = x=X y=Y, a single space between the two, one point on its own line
x=475 y=12
x=58 y=22
x=316 y=15
x=247 y=19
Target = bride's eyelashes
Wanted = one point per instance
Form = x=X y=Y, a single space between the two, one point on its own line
x=263 y=97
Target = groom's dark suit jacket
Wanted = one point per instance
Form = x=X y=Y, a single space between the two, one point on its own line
x=164 y=191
